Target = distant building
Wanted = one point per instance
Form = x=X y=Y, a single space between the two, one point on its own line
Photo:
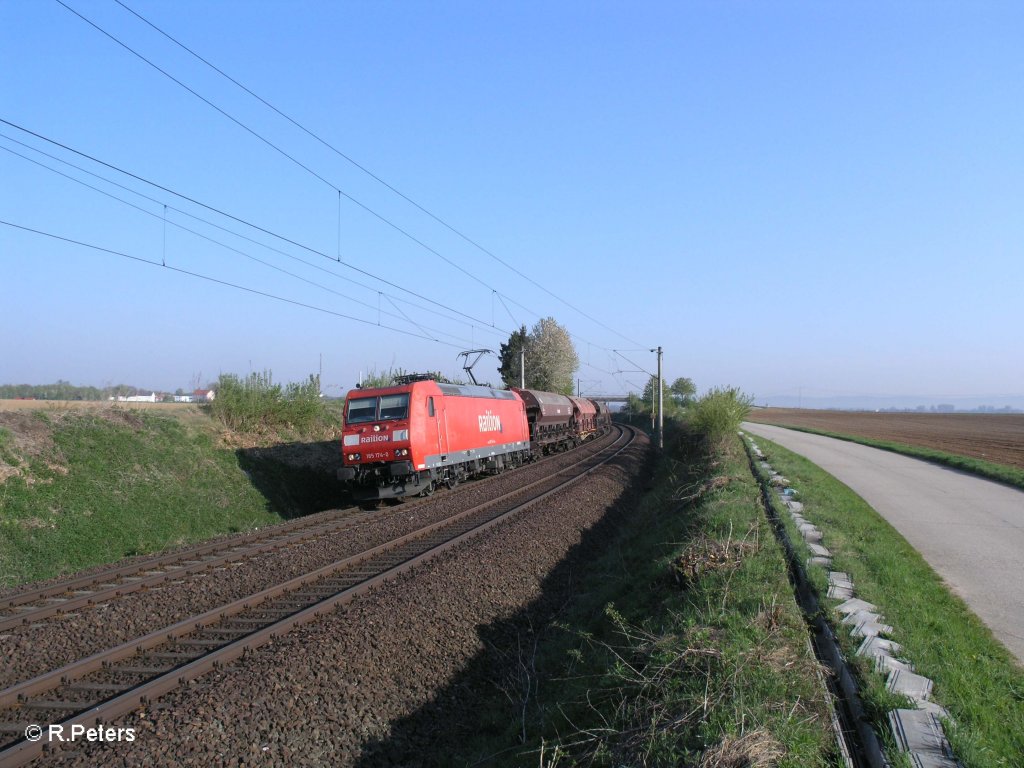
x=203 y=395
x=183 y=398
x=151 y=398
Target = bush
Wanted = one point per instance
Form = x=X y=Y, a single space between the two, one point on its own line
x=256 y=404
x=717 y=415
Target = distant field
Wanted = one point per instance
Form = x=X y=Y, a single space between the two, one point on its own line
x=996 y=438
x=188 y=413
x=57 y=405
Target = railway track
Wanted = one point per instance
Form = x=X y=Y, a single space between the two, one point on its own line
x=106 y=685
x=39 y=604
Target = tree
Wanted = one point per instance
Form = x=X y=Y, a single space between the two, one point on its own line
x=675 y=397
x=650 y=395
x=511 y=358
x=682 y=391
x=551 y=359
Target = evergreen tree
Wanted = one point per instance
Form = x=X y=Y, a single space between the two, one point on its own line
x=510 y=357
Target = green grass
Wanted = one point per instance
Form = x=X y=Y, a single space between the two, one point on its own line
x=686 y=640
x=998 y=472
x=7 y=456
x=976 y=678
x=127 y=484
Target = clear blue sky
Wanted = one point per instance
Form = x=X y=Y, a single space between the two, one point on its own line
x=816 y=197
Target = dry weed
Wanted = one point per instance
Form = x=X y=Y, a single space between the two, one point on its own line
x=706 y=555
x=756 y=749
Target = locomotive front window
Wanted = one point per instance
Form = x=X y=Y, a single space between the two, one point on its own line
x=362 y=410
x=394 y=406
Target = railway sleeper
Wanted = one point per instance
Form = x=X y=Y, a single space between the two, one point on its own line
x=230 y=635
x=275 y=611
x=316 y=594
x=100 y=687
x=254 y=622
x=139 y=669
x=54 y=704
x=16 y=728
x=172 y=655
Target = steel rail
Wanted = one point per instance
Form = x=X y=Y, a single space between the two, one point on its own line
x=438 y=537
x=150 y=563
x=83 y=592
x=10 y=696
x=177 y=567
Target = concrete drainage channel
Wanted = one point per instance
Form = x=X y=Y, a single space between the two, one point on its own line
x=917 y=732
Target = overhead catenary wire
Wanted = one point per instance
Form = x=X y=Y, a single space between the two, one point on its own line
x=423 y=329
x=514 y=320
x=246 y=223
x=636 y=365
x=228 y=247
x=337 y=258
x=334 y=187
x=371 y=174
x=240 y=220
x=285 y=154
x=226 y=283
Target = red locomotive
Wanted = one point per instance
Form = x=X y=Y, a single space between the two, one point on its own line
x=409 y=438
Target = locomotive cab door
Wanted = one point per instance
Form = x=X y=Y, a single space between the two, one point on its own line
x=436 y=414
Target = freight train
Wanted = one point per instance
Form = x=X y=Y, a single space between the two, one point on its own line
x=412 y=437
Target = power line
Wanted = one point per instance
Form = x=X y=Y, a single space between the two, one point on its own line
x=242 y=221
x=226 y=283
x=364 y=169
x=278 y=149
x=225 y=245
x=636 y=365
x=220 y=212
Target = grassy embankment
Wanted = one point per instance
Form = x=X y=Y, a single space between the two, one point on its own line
x=84 y=487
x=987 y=469
x=686 y=648
x=976 y=678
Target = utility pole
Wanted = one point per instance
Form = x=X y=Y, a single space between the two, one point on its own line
x=661 y=410
x=522 y=368
x=654 y=409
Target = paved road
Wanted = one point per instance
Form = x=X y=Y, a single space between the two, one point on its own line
x=971 y=531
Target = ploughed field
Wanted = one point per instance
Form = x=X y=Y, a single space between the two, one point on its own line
x=998 y=438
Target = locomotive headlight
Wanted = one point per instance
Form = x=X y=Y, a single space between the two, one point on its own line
x=376 y=427
x=400 y=434
x=355 y=457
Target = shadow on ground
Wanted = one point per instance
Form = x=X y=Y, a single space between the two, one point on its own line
x=497 y=687
x=296 y=478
